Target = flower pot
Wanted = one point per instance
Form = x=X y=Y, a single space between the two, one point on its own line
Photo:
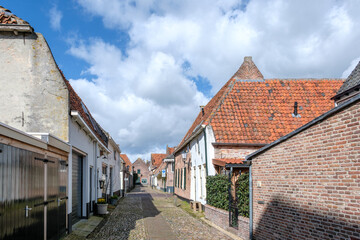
x=113 y=201
x=102 y=208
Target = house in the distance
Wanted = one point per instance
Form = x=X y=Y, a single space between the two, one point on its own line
x=247 y=113
x=128 y=172
x=306 y=184
x=162 y=170
x=141 y=168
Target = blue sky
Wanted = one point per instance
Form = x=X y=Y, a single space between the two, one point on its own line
x=75 y=22
x=144 y=67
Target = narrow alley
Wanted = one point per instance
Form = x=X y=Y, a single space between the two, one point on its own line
x=150 y=214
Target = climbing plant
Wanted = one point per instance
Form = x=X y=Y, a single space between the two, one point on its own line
x=217 y=190
x=242 y=192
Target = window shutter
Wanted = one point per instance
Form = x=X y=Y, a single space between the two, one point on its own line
x=175 y=179
x=185 y=178
x=178 y=178
x=181 y=178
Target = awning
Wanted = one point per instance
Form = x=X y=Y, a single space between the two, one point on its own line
x=223 y=161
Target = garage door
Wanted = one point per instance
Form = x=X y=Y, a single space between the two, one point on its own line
x=76 y=187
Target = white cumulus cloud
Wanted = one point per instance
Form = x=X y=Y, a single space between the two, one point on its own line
x=55 y=16
x=147 y=99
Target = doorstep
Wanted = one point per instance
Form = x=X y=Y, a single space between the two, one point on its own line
x=85 y=226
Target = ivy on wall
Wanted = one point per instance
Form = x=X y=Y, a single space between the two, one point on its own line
x=217 y=190
x=242 y=192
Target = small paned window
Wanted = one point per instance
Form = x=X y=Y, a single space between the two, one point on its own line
x=138 y=171
x=198 y=146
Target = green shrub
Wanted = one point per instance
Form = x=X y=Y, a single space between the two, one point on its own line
x=242 y=192
x=217 y=191
x=114 y=196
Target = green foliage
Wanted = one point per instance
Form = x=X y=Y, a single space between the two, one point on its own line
x=114 y=196
x=242 y=192
x=217 y=190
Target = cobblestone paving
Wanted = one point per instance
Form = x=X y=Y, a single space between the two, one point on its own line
x=127 y=221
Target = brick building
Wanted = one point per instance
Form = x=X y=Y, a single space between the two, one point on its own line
x=142 y=170
x=163 y=162
x=247 y=113
x=306 y=184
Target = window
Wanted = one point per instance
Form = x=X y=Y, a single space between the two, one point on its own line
x=114 y=155
x=104 y=170
x=181 y=178
x=201 y=180
x=138 y=171
x=198 y=146
x=172 y=167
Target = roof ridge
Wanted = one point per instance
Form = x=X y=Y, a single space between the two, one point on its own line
x=7 y=17
x=221 y=101
x=351 y=81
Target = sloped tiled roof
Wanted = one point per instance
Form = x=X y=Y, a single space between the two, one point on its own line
x=156 y=159
x=224 y=161
x=7 y=17
x=78 y=105
x=352 y=81
x=256 y=110
x=169 y=150
x=126 y=160
x=161 y=167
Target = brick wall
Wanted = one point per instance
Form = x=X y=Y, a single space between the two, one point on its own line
x=180 y=164
x=233 y=152
x=221 y=218
x=308 y=187
x=169 y=177
x=144 y=170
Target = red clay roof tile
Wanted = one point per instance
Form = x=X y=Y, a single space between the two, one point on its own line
x=78 y=105
x=126 y=160
x=7 y=17
x=256 y=110
x=223 y=161
x=156 y=159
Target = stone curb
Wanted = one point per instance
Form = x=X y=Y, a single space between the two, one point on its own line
x=233 y=236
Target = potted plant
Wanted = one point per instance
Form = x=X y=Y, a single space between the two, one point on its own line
x=114 y=198
x=102 y=206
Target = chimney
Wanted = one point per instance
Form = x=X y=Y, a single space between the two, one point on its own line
x=202 y=110
x=248 y=59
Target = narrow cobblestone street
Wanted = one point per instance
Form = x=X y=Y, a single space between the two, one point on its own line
x=149 y=214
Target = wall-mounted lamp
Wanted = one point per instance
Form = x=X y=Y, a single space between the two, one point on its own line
x=102 y=182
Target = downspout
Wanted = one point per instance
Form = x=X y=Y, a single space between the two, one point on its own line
x=250 y=203
x=96 y=172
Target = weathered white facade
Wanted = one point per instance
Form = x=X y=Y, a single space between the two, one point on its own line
x=202 y=152
x=32 y=88
x=37 y=99
x=114 y=166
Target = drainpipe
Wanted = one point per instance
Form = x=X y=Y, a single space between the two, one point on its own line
x=96 y=172
x=250 y=203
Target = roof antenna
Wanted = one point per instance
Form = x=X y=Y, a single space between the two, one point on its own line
x=295 y=113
